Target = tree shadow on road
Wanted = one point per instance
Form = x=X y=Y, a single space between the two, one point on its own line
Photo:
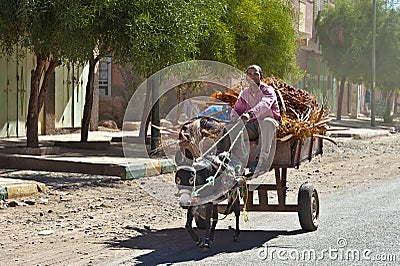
x=174 y=245
x=61 y=180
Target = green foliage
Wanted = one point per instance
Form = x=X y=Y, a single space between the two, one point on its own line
x=264 y=35
x=151 y=35
x=10 y=12
x=42 y=26
x=216 y=41
x=388 y=52
x=160 y=33
x=345 y=35
x=45 y=30
x=334 y=28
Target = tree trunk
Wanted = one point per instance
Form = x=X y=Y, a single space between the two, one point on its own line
x=47 y=76
x=396 y=104
x=387 y=117
x=340 y=99
x=144 y=124
x=87 y=109
x=155 y=114
x=177 y=102
x=32 y=138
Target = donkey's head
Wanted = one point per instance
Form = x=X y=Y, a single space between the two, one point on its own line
x=186 y=177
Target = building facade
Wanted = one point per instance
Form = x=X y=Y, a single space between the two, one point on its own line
x=316 y=77
x=63 y=106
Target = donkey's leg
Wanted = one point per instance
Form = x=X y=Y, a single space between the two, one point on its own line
x=207 y=242
x=236 y=209
x=189 y=228
x=214 y=222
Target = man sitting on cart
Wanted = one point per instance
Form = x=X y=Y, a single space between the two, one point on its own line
x=258 y=107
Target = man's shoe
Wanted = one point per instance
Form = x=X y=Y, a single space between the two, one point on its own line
x=263 y=167
x=252 y=169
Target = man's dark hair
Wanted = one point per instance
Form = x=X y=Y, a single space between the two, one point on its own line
x=256 y=68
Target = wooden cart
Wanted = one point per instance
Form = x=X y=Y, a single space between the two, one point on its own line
x=290 y=154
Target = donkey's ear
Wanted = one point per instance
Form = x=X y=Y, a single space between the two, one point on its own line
x=188 y=154
x=182 y=159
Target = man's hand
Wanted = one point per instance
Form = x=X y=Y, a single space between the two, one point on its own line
x=245 y=117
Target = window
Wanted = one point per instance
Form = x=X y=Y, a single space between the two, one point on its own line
x=105 y=76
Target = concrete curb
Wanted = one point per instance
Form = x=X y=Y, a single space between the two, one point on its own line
x=359 y=134
x=22 y=162
x=12 y=189
x=372 y=135
x=162 y=166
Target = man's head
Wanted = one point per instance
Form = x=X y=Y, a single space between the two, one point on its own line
x=254 y=72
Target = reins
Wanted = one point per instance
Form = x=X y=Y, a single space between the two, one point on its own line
x=210 y=180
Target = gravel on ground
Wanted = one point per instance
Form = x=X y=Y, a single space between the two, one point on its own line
x=77 y=221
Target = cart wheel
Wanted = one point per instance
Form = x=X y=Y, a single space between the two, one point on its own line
x=200 y=221
x=308 y=207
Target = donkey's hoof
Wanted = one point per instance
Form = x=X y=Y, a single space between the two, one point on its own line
x=200 y=243
x=236 y=238
x=205 y=248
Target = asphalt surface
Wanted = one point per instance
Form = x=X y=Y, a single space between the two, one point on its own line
x=357 y=227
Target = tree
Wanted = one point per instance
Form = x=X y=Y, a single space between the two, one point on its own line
x=93 y=26
x=160 y=37
x=345 y=35
x=150 y=35
x=335 y=28
x=264 y=35
x=388 y=59
x=241 y=33
x=39 y=27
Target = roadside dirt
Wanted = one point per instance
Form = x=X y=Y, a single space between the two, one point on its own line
x=81 y=218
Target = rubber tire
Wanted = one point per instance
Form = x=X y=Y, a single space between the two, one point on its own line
x=308 y=203
x=200 y=222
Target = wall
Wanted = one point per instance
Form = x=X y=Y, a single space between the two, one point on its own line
x=66 y=105
x=317 y=79
x=14 y=95
x=70 y=95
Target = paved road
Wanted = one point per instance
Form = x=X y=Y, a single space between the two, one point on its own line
x=357 y=227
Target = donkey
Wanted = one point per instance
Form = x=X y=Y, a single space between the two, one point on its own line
x=204 y=205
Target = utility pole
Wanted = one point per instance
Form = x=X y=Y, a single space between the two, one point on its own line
x=373 y=64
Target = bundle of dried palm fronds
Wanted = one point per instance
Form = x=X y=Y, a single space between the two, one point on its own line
x=301 y=114
x=229 y=97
